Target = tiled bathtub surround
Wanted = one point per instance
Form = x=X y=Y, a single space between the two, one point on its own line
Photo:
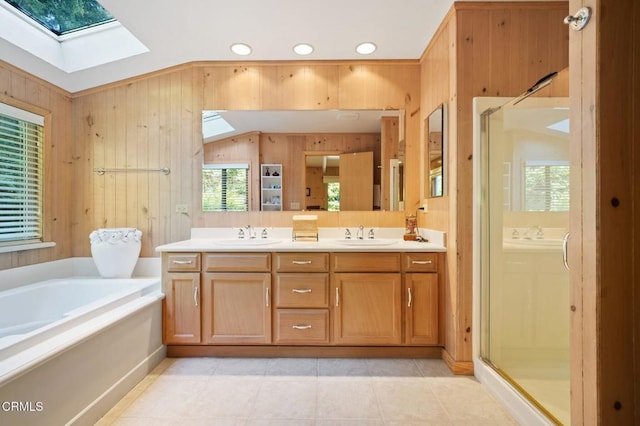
x=306 y=391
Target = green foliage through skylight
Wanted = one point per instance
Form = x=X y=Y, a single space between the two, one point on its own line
x=63 y=16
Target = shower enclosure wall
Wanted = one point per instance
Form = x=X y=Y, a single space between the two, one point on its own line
x=523 y=216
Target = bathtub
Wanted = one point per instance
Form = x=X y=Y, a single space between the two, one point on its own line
x=71 y=347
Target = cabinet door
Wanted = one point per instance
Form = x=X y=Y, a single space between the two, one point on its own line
x=367 y=308
x=182 y=308
x=421 y=303
x=236 y=308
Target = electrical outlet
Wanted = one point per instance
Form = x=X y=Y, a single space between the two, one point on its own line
x=295 y=206
x=182 y=208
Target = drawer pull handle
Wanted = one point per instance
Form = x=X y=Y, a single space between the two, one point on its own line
x=302 y=327
x=183 y=262
x=301 y=262
x=421 y=262
x=337 y=297
x=301 y=290
x=195 y=295
x=266 y=296
x=410 y=298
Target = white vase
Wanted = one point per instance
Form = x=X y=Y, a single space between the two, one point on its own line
x=115 y=251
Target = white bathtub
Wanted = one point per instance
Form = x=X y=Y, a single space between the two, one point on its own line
x=34 y=313
x=70 y=348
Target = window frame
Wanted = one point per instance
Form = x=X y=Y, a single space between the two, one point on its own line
x=226 y=166
x=547 y=164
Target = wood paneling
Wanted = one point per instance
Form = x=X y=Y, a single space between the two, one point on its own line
x=481 y=49
x=605 y=223
x=155 y=121
x=22 y=90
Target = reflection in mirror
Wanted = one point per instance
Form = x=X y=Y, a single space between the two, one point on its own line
x=435 y=152
x=310 y=147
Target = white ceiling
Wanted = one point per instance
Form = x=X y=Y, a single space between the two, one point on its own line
x=202 y=30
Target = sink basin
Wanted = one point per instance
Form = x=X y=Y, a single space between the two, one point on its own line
x=368 y=243
x=249 y=242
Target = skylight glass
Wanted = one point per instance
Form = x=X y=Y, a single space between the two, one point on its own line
x=63 y=16
x=214 y=125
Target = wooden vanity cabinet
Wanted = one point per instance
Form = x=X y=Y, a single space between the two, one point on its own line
x=236 y=306
x=181 y=304
x=301 y=298
x=421 y=282
x=367 y=298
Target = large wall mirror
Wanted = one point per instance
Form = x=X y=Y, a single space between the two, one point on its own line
x=435 y=131
x=325 y=160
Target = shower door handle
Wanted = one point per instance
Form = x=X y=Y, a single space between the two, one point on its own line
x=565 y=250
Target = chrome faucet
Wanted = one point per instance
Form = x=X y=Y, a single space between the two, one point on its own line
x=347 y=234
x=371 y=235
x=534 y=232
x=360 y=232
x=241 y=234
x=264 y=233
x=251 y=232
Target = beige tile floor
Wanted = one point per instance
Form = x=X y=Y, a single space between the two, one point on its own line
x=306 y=391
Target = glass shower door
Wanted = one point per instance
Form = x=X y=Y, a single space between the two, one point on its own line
x=525 y=215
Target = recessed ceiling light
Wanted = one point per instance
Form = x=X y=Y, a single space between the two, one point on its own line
x=241 y=49
x=303 y=49
x=366 y=48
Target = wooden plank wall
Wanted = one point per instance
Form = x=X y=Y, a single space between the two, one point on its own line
x=24 y=91
x=481 y=49
x=155 y=121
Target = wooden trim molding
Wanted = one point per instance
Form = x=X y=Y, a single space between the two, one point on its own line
x=432 y=352
x=462 y=368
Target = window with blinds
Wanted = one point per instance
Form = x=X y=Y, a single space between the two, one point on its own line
x=225 y=187
x=21 y=140
x=546 y=186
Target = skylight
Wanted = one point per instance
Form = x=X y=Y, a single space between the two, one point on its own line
x=71 y=35
x=213 y=125
x=63 y=16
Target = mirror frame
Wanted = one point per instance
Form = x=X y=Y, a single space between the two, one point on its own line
x=429 y=146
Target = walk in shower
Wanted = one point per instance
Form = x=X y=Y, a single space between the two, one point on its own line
x=523 y=303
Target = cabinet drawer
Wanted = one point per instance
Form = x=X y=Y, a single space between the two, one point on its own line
x=183 y=262
x=365 y=262
x=421 y=262
x=302 y=291
x=302 y=262
x=237 y=262
x=302 y=326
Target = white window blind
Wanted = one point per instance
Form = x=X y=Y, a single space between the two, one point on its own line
x=21 y=137
x=225 y=187
x=546 y=186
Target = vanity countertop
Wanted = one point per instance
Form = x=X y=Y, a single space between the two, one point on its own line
x=330 y=239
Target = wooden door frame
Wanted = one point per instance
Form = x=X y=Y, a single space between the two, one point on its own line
x=605 y=221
